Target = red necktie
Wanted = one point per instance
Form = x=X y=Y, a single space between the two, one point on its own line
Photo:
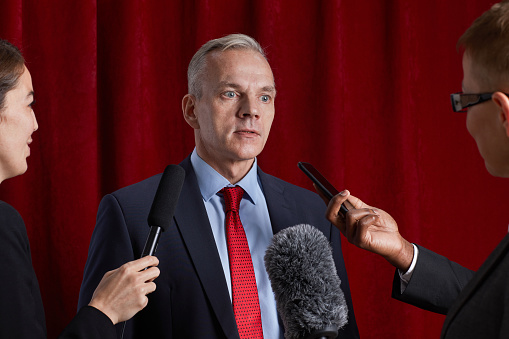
x=244 y=292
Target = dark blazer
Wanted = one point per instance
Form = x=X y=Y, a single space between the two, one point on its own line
x=191 y=299
x=21 y=309
x=476 y=303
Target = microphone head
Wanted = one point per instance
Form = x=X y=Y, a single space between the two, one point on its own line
x=305 y=283
x=167 y=196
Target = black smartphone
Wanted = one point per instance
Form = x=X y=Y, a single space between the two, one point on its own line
x=323 y=184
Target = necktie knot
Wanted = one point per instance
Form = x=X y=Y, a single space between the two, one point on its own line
x=232 y=197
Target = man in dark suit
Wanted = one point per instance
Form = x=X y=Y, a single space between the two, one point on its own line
x=476 y=303
x=230 y=106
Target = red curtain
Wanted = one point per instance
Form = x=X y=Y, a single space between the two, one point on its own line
x=362 y=94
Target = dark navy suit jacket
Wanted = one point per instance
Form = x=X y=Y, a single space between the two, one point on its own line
x=192 y=298
x=476 y=303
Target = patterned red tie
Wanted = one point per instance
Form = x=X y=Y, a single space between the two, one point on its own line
x=244 y=292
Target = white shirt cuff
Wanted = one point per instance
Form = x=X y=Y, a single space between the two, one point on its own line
x=405 y=277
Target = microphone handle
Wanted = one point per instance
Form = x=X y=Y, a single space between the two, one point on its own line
x=149 y=249
x=328 y=332
x=152 y=240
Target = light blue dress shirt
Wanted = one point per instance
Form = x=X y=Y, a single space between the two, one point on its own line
x=255 y=219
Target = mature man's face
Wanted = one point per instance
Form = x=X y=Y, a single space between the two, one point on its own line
x=236 y=109
x=485 y=125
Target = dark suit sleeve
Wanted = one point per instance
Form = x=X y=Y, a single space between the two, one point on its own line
x=21 y=310
x=89 y=323
x=109 y=248
x=435 y=284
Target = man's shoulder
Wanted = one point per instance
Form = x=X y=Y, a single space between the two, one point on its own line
x=296 y=192
x=145 y=186
x=291 y=205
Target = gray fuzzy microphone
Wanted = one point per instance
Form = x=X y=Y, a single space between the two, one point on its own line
x=305 y=283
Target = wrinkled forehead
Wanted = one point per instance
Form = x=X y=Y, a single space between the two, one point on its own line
x=238 y=63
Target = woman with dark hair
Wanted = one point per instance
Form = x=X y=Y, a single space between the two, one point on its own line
x=120 y=294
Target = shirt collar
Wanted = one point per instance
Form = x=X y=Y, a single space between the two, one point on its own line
x=211 y=182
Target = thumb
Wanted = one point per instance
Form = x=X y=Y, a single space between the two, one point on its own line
x=356 y=203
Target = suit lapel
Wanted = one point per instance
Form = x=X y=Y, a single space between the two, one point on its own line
x=479 y=277
x=193 y=224
x=280 y=208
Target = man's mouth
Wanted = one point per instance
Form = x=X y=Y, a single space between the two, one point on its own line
x=247 y=131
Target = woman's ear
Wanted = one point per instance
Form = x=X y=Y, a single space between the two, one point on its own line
x=188 y=107
x=502 y=101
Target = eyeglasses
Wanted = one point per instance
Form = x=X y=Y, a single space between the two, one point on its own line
x=460 y=101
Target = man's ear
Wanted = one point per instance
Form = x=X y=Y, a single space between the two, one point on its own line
x=188 y=107
x=502 y=101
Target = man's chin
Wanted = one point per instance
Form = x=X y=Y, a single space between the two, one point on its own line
x=248 y=153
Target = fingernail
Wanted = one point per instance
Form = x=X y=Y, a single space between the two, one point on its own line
x=342 y=193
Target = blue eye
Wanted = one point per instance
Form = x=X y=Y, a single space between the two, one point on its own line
x=31 y=104
x=265 y=98
x=230 y=94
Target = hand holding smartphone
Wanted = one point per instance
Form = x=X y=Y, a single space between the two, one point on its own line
x=323 y=184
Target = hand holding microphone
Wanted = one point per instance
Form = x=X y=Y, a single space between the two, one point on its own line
x=364 y=226
x=123 y=292
x=371 y=229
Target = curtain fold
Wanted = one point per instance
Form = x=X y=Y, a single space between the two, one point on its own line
x=362 y=93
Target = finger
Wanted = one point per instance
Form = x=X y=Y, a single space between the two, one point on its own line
x=149 y=274
x=356 y=214
x=365 y=222
x=332 y=214
x=362 y=212
x=361 y=237
x=352 y=222
x=150 y=287
x=356 y=202
x=109 y=273
x=349 y=206
x=141 y=303
x=139 y=264
x=335 y=204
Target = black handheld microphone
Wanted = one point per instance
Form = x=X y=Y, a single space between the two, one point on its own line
x=163 y=206
x=305 y=283
x=162 y=209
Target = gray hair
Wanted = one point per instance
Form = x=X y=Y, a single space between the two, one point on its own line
x=197 y=64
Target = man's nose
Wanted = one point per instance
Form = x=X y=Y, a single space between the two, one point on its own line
x=249 y=107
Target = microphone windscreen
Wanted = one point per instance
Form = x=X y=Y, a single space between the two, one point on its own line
x=305 y=282
x=167 y=196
